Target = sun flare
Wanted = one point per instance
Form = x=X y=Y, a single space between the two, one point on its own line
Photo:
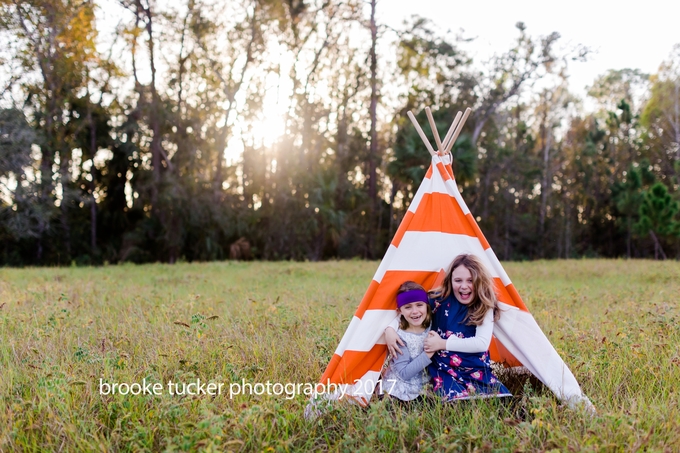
x=270 y=125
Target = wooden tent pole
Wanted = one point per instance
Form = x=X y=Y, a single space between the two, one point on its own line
x=421 y=133
x=458 y=129
x=435 y=132
x=451 y=130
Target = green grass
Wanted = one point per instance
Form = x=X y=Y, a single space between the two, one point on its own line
x=616 y=324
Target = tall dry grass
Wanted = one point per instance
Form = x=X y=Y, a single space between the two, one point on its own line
x=616 y=323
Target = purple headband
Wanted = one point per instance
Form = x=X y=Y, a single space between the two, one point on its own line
x=415 y=295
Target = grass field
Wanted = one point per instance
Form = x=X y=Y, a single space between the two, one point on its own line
x=616 y=324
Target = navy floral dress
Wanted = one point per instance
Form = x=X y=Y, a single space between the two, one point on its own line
x=460 y=375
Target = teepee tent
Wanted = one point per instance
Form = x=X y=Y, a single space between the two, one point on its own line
x=437 y=227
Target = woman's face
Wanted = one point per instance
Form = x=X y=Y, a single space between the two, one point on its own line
x=461 y=280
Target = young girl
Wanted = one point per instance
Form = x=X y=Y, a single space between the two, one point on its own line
x=464 y=310
x=406 y=375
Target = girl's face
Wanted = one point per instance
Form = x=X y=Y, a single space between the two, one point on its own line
x=463 y=289
x=414 y=313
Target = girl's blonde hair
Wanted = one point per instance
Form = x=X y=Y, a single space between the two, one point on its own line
x=482 y=282
x=410 y=286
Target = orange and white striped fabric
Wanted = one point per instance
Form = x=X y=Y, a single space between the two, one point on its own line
x=437 y=227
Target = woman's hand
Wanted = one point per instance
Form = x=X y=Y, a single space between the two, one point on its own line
x=434 y=343
x=392 y=339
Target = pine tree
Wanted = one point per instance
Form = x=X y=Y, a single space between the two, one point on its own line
x=657 y=216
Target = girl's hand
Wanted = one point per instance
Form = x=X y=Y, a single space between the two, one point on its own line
x=434 y=343
x=392 y=339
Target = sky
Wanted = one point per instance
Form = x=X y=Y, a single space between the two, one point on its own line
x=621 y=34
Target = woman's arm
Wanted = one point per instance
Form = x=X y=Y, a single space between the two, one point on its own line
x=406 y=368
x=479 y=343
x=392 y=339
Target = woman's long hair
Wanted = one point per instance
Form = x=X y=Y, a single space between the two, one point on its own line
x=482 y=282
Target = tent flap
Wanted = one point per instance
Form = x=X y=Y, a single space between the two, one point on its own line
x=437 y=227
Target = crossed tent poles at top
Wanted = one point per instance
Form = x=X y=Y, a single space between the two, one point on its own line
x=443 y=147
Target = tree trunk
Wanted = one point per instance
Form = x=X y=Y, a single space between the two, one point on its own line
x=567 y=234
x=65 y=178
x=157 y=153
x=155 y=113
x=231 y=92
x=676 y=123
x=93 y=203
x=477 y=131
x=507 y=233
x=320 y=240
x=373 y=151
x=545 y=180
x=629 y=236
x=393 y=193
x=46 y=163
x=657 y=246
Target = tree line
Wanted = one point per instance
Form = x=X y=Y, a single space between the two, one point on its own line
x=143 y=131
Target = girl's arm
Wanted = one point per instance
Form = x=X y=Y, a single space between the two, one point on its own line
x=479 y=343
x=406 y=368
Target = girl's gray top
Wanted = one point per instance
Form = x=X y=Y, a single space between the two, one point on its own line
x=406 y=375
